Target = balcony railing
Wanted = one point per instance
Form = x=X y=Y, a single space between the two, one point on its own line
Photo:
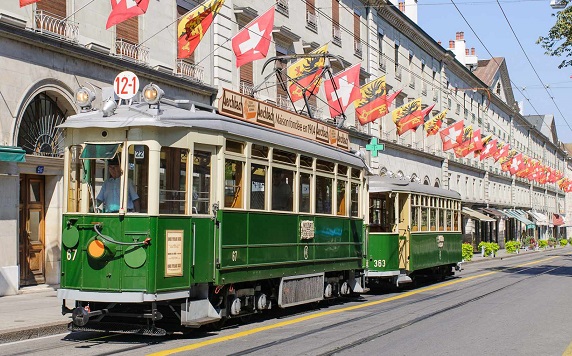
x=132 y=52
x=189 y=71
x=283 y=102
x=53 y=25
x=246 y=88
x=282 y=7
x=316 y=113
x=311 y=21
x=336 y=35
x=357 y=48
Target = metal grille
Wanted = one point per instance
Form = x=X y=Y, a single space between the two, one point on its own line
x=303 y=289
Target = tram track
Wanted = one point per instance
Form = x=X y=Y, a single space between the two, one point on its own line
x=398 y=305
x=414 y=321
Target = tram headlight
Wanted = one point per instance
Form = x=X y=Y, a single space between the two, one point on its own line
x=152 y=94
x=84 y=98
x=99 y=250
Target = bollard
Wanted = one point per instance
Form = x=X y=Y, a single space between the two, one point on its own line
x=483 y=251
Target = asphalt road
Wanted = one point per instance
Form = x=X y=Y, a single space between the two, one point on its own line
x=516 y=306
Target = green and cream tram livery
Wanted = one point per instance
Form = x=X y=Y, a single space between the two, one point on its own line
x=216 y=217
x=414 y=230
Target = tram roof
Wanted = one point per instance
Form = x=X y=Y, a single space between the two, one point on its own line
x=138 y=115
x=379 y=184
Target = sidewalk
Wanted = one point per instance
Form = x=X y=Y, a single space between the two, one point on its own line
x=36 y=311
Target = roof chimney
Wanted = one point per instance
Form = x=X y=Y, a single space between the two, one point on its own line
x=439 y=43
x=466 y=51
x=461 y=35
x=472 y=51
x=451 y=44
x=402 y=6
x=457 y=36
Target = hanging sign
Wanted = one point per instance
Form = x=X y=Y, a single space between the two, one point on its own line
x=245 y=108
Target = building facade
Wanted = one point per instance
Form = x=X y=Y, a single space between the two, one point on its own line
x=51 y=48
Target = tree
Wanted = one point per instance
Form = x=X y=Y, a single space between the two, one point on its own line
x=558 y=42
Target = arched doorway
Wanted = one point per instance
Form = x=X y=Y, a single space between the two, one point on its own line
x=38 y=135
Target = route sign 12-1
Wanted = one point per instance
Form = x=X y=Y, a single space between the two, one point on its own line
x=126 y=85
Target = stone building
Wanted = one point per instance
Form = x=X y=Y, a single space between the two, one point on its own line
x=51 y=48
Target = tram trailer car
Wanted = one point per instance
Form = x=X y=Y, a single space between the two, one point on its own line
x=414 y=230
x=210 y=238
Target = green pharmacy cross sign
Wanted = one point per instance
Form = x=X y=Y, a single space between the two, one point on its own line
x=374 y=147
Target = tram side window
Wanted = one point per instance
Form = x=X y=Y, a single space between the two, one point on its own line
x=258 y=186
x=233 y=178
x=173 y=180
x=449 y=220
x=201 y=182
x=341 y=195
x=433 y=219
x=305 y=189
x=138 y=174
x=441 y=220
x=456 y=221
x=354 y=199
x=415 y=218
x=282 y=189
x=424 y=218
x=323 y=195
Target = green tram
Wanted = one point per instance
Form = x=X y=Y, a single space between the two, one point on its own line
x=414 y=230
x=215 y=218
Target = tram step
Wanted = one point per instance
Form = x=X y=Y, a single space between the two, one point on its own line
x=118 y=328
x=403 y=278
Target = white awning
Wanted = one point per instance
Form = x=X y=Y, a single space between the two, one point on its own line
x=539 y=218
x=475 y=214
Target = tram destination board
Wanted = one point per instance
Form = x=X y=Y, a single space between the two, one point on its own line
x=245 y=108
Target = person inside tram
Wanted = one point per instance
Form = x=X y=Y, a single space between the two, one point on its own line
x=109 y=195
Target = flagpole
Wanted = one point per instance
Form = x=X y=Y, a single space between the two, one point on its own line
x=78 y=10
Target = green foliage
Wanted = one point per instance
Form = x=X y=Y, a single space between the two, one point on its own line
x=512 y=246
x=558 y=42
x=542 y=243
x=490 y=247
x=530 y=242
x=563 y=242
x=467 y=252
x=570 y=241
x=551 y=242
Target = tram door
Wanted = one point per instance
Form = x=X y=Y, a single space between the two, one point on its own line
x=31 y=230
x=404 y=229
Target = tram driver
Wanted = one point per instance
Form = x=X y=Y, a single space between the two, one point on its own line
x=109 y=194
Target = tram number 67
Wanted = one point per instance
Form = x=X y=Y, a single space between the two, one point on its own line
x=70 y=254
x=378 y=263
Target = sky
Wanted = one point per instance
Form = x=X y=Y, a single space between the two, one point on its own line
x=487 y=29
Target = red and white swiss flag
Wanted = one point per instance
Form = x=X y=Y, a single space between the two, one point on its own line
x=346 y=90
x=253 y=41
x=516 y=164
x=122 y=10
x=452 y=134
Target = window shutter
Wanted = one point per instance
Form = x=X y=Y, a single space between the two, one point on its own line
x=128 y=30
x=310 y=6
x=336 y=12
x=54 y=7
x=357 y=26
x=246 y=73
